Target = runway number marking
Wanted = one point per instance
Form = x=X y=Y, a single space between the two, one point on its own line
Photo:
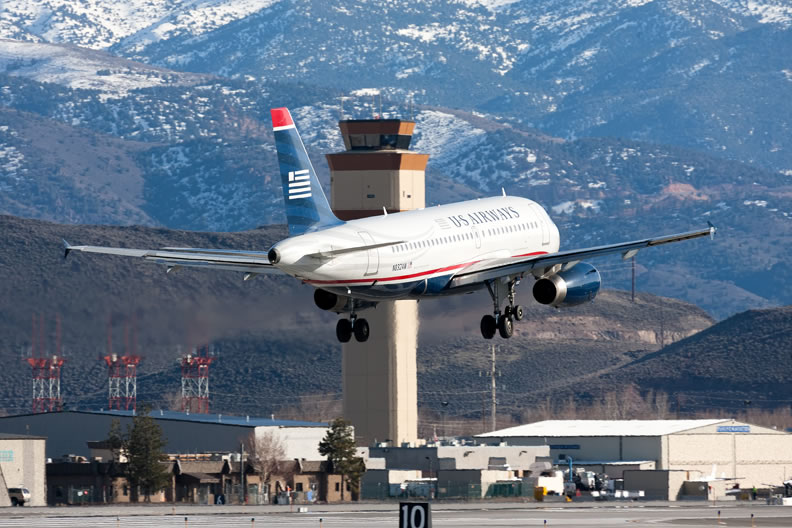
x=414 y=515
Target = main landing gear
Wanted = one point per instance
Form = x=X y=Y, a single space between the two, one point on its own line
x=503 y=323
x=346 y=327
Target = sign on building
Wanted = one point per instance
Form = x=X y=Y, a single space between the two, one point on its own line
x=734 y=428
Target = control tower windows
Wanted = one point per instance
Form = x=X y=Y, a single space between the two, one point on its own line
x=379 y=141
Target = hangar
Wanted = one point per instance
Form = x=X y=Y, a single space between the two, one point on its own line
x=69 y=431
x=697 y=450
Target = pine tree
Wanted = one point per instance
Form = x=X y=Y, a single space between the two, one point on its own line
x=338 y=446
x=115 y=440
x=144 y=447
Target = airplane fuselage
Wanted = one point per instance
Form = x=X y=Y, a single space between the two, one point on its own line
x=431 y=245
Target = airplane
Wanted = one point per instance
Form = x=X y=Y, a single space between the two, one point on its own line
x=712 y=477
x=489 y=243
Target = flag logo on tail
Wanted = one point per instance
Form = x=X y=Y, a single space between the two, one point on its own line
x=299 y=184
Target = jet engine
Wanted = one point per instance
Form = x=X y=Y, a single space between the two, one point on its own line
x=570 y=287
x=338 y=303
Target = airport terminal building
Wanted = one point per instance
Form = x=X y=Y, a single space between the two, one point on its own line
x=674 y=450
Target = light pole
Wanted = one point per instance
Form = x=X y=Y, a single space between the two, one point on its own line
x=443 y=404
x=431 y=483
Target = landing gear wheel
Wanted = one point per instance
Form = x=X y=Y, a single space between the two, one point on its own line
x=488 y=326
x=344 y=330
x=505 y=327
x=517 y=312
x=361 y=330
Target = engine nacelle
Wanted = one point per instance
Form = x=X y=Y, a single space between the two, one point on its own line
x=338 y=303
x=569 y=288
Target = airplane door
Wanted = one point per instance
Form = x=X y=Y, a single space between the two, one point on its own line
x=372 y=267
x=476 y=237
x=541 y=217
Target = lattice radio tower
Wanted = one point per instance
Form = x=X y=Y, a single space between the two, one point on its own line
x=121 y=372
x=195 y=381
x=46 y=369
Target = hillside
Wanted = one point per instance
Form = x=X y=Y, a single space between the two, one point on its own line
x=270 y=356
x=745 y=357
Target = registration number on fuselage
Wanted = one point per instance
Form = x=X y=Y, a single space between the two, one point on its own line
x=402 y=266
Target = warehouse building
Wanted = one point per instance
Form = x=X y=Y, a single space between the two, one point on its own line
x=69 y=431
x=448 y=471
x=677 y=451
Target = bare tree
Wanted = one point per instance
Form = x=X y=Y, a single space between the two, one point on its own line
x=267 y=456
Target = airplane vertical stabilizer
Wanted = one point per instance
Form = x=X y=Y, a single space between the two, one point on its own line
x=307 y=208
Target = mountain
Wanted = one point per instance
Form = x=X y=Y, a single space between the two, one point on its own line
x=275 y=350
x=694 y=73
x=624 y=119
x=739 y=361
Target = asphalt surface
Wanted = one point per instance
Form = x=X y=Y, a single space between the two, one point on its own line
x=491 y=515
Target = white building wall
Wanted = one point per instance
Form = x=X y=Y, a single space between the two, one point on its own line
x=756 y=459
x=23 y=463
x=610 y=448
x=298 y=442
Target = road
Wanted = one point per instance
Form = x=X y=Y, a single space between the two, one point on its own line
x=490 y=515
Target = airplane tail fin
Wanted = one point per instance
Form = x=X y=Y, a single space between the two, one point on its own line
x=307 y=208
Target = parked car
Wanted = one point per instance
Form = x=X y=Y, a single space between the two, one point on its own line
x=19 y=496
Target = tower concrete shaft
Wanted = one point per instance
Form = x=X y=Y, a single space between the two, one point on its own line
x=380 y=384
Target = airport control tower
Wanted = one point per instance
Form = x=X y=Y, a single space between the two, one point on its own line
x=378 y=171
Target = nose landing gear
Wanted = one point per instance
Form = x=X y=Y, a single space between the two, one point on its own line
x=503 y=323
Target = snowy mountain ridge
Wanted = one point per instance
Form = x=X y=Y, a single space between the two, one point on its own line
x=81 y=68
x=135 y=24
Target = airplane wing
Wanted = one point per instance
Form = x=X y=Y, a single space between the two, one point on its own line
x=249 y=262
x=490 y=269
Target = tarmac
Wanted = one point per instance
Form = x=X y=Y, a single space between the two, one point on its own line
x=443 y=514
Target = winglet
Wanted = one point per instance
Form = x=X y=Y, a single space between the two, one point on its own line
x=713 y=230
x=66 y=249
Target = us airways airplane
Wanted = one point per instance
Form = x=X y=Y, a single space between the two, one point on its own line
x=491 y=243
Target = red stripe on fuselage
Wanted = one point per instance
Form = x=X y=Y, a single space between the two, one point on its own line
x=386 y=279
x=413 y=275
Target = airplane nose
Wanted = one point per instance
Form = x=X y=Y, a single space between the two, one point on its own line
x=274 y=256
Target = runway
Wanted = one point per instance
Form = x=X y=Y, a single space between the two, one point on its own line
x=500 y=515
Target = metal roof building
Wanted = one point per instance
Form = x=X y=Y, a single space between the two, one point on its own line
x=68 y=431
x=747 y=454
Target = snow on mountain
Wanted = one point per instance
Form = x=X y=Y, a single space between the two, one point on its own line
x=12 y=168
x=79 y=68
x=444 y=137
x=766 y=12
x=99 y=24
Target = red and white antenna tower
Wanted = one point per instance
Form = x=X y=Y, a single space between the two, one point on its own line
x=195 y=381
x=46 y=369
x=121 y=374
